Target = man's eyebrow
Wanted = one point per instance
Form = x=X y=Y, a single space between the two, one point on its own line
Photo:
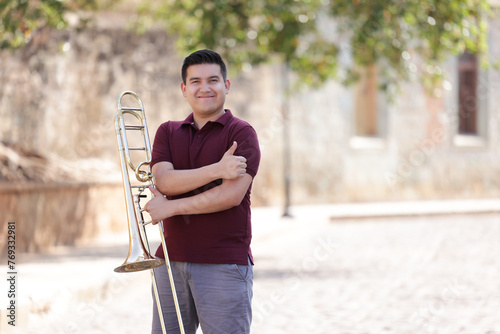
x=210 y=77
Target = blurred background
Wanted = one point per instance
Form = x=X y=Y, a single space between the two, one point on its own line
x=354 y=102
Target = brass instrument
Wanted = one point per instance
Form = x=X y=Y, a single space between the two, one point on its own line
x=139 y=256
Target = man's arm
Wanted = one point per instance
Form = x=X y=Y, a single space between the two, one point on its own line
x=229 y=194
x=175 y=182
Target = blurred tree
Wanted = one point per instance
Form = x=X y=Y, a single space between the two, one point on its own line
x=19 y=19
x=248 y=33
x=390 y=33
x=399 y=34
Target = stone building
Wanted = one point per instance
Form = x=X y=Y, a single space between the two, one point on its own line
x=58 y=99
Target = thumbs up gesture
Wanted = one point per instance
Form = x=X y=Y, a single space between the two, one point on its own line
x=232 y=166
x=157 y=206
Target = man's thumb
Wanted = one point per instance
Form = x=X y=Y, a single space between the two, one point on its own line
x=155 y=191
x=232 y=149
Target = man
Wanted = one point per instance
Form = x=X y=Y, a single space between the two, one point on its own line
x=205 y=166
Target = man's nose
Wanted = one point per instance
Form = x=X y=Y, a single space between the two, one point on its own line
x=205 y=86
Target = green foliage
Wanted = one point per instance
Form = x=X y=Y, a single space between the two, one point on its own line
x=19 y=19
x=248 y=33
x=400 y=36
x=412 y=35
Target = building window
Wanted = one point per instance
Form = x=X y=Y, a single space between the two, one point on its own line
x=467 y=94
x=368 y=102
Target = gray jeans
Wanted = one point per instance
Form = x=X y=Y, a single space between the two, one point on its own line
x=215 y=296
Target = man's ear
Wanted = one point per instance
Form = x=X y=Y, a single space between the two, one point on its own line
x=183 y=89
x=228 y=85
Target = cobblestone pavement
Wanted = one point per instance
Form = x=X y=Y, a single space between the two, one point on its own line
x=402 y=275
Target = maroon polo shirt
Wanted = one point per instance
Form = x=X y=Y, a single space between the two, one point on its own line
x=221 y=237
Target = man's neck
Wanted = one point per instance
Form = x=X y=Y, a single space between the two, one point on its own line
x=200 y=121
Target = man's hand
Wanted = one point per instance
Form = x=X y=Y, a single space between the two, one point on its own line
x=157 y=207
x=232 y=166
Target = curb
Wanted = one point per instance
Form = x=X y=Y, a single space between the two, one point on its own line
x=412 y=209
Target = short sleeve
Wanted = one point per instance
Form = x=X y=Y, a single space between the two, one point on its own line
x=248 y=147
x=161 y=146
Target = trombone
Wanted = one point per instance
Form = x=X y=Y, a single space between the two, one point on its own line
x=139 y=255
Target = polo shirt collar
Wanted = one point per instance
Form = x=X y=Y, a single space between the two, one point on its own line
x=224 y=119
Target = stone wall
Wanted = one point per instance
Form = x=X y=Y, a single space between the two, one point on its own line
x=56 y=214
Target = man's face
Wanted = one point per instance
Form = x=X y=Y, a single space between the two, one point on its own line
x=205 y=89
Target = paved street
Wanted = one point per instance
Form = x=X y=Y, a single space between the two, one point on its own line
x=396 y=274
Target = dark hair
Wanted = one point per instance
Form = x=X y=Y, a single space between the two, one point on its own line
x=203 y=57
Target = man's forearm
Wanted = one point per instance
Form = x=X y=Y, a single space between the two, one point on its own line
x=219 y=198
x=229 y=194
x=175 y=182
x=207 y=202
